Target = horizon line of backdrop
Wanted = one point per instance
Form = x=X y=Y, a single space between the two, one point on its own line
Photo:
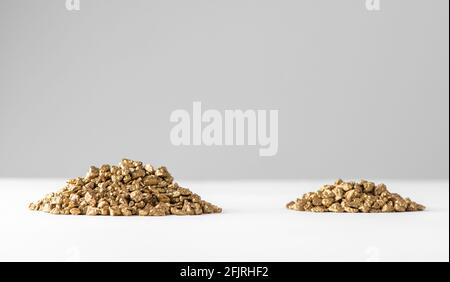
x=360 y=94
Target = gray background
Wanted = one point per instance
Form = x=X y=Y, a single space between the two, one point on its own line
x=360 y=94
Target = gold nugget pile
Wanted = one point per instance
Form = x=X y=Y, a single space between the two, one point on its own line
x=130 y=188
x=363 y=196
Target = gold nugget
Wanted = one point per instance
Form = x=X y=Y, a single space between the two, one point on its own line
x=363 y=196
x=130 y=188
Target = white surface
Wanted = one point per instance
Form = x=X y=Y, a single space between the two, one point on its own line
x=255 y=226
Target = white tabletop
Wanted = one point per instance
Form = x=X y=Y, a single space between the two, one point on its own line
x=254 y=226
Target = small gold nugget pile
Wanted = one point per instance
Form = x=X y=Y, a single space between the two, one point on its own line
x=128 y=189
x=353 y=197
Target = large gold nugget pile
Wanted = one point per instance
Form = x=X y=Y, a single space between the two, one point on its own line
x=363 y=196
x=128 y=189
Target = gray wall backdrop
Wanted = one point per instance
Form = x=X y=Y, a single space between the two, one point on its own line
x=359 y=93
